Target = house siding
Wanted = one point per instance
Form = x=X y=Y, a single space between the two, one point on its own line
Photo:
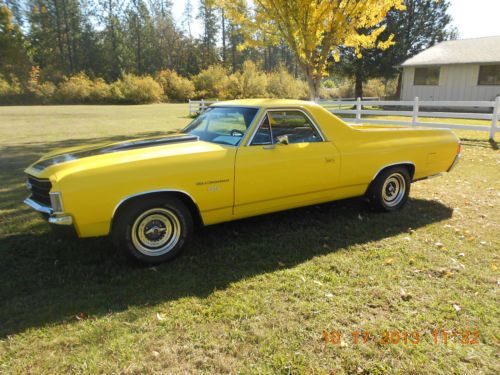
x=456 y=82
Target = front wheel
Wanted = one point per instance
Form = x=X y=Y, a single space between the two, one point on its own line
x=153 y=230
x=390 y=190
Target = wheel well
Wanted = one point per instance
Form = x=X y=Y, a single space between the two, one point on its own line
x=183 y=197
x=409 y=167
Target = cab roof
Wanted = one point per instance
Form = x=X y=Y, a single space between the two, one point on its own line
x=265 y=103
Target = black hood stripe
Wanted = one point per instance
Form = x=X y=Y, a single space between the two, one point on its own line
x=124 y=146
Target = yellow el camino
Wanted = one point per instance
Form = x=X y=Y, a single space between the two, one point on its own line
x=238 y=159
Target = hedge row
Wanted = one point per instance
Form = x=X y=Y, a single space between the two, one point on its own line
x=166 y=85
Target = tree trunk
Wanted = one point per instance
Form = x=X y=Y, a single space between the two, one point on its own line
x=358 y=86
x=67 y=33
x=223 y=38
x=398 y=88
x=314 y=85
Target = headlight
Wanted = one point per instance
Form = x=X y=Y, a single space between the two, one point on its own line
x=56 y=202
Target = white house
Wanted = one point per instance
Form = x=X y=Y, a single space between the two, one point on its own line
x=466 y=69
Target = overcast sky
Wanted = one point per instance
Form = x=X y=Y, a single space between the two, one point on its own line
x=473 y=18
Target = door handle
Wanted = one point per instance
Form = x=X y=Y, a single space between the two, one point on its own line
x=269 y=147
x=329 y=160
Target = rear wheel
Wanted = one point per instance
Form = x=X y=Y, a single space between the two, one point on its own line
x=390 y=190
x=153 y=230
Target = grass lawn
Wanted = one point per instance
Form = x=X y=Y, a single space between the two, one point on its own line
x=252 y=296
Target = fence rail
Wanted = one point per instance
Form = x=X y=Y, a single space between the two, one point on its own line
x=408 y=108
x=198 y=106
x=389 y=108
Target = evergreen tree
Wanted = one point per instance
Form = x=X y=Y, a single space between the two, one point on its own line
x=208 y=17
x=14 y=60
x=421 y=25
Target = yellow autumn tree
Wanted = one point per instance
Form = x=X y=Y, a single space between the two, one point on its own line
x=313 y=29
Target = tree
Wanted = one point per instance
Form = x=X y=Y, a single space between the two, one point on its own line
x=315 y=29
x=188 y=17
x=208 y=16
x=422 y=24
x=14 y=59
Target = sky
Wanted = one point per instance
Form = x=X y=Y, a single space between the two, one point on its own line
x=476 y=18
x=473 y=18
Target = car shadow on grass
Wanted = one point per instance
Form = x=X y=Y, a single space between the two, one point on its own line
x=46 y=280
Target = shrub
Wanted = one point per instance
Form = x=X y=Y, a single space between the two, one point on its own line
x=329 y=84
x=136 y=90
x=175 y=87
x=212 y=82
x=249 y=83
x=11 y=88
x=45 y=91
x=100 y=92
x=75 y=89
x=374 y=87
x=282 y=84
x=39 y=92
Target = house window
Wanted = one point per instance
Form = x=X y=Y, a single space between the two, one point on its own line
x=489 y=75
x=426 y=76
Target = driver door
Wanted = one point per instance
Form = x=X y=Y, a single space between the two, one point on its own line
x=287 y=163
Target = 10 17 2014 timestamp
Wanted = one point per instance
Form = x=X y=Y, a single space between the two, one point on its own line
x=397 y=337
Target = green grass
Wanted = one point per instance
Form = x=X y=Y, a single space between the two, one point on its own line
x=252 y=296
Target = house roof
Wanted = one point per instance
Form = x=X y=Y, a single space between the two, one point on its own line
x=465 y=51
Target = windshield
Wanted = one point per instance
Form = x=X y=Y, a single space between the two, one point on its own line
x=224 y=125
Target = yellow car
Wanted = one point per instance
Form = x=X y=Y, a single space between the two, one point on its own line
x=237 y=159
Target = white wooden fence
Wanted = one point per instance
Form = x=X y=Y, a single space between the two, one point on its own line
x=490 y=111
x=198 y=106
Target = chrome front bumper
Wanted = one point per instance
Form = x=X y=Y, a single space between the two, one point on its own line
x=58 y=219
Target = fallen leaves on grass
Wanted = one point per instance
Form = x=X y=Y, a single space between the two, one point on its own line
x=404 y=295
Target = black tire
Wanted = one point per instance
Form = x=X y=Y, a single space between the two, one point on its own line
x=153 y=230
x=390 y=190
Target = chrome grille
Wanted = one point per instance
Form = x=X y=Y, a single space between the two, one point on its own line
x=40 y=189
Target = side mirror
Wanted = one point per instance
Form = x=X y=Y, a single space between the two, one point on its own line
x=282 y=139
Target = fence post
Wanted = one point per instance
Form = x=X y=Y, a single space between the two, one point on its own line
x=494 y=118
x=202 y=105
x=189 y=101
x=414 y=118
x=358 y=110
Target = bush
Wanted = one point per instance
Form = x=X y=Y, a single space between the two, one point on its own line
x=38 y=92
x=75 y=89
x=100 y=92
x=175 y=87
x=282 y=84
x=212 y=82
x=374 y=87
x=329 y=84
x=136 y=90
x=45 y=92
x=249 y=83
x=9 y=89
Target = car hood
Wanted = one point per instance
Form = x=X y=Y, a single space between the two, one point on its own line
x=112 y=153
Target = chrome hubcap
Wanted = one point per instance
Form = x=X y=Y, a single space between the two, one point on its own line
x=393 y=190
x=156 y=231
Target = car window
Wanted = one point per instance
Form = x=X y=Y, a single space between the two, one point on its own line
x=225 y=125
x=295 y=125
x=263 y=134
